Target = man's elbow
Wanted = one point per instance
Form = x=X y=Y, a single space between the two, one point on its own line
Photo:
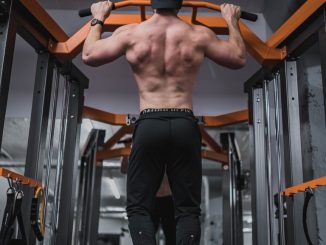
x=238 y=62
x=241 y=62
x=89 y=60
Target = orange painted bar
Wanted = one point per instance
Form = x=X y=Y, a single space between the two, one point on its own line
x=42 y=16
x=108 y=154
x=209 y=121
x=103 y=116
x=296 y=20
x=255 y=46
x=264 y=53
x=226 y=119
x=302 y=187
x=215 y=156
x=24 y=180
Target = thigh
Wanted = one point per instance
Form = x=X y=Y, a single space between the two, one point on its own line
x=185 y=169
x=146 y=165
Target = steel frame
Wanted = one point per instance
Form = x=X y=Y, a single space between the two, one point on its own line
x=265 y=53
x=231 y=193
x=36 y=153
x=70 y=163
x=8 y=27
x=16 y=19
x=322 y=49
x=89 y=191
x=290 y=142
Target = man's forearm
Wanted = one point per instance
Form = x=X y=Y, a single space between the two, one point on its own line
x=94 y=35
x=236 y=39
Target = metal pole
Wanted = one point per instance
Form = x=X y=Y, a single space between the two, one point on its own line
x=276 y=85
x=293 y=152
x=268 y=158
x=261 y=228
x=61 y=145
x=95 y=200
x=322 y=50
x=8 y=28
x=70 y=165
x=35 y=156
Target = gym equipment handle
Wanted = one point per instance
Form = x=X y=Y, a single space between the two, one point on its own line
x=244 y=15
x=248 y=16
x=87 y=12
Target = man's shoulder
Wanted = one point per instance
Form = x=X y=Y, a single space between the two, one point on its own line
x=201 y=28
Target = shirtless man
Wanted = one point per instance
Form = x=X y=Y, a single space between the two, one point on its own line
x=165 y=54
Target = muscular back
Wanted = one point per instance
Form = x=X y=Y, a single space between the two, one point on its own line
x=165 y=55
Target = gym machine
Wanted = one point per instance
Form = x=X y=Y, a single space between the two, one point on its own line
x=279 y=123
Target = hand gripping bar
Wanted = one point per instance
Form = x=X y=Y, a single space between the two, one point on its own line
x=244 y=15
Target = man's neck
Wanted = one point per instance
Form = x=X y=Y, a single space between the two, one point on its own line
x=165 y=12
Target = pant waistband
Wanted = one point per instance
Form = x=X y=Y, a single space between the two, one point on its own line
x=153 y=110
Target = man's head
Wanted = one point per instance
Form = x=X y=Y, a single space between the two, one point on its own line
x=166 y=4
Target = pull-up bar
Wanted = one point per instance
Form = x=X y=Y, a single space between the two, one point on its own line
x=21 y=178
x=244 y=15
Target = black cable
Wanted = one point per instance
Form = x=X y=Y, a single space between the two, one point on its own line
x=308 y=194
x=8 y=219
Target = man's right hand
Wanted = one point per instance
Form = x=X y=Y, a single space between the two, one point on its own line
x=101 y=10
x=231 y=13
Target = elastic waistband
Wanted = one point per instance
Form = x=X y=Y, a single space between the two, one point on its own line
x=168 y=110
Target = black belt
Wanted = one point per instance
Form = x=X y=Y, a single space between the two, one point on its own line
x=151 y=110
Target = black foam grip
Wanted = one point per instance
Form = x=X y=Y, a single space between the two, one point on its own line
x=87 y=12
x=248 y=16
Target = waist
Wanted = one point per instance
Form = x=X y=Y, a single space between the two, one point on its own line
x=167 y=111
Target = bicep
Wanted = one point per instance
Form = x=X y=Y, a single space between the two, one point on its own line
x=108 y=49
x=222 y=52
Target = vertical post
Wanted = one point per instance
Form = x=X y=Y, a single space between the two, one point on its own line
x=231 y=191
x=70 y=165
x=38 y=130
x=293 y=152
x=322 y=50
x=227 y=206
x=8 y=29
x=261 y=229
x=95 y=200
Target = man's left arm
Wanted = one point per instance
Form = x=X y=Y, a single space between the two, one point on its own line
x=97 y=51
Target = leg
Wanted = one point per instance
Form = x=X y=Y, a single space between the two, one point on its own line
x=185 y=175
x=145 y=173
x=166 y=207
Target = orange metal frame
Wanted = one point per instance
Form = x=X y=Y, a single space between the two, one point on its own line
x=264 y=52
x=18 y=177
x=216 y=153
x=304 y=186
x=209 y=121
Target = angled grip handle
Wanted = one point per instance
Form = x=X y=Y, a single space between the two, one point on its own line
x=87 y=12
x=248 y=16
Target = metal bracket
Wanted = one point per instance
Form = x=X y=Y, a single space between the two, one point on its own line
x=131 y=119
x=200 y=120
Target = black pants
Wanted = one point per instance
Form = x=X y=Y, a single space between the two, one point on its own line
x=165 y=140
x=164 y=215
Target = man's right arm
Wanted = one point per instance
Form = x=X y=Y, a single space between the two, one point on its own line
x=231 y=53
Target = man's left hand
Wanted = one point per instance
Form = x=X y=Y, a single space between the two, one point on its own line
x=101 y=10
